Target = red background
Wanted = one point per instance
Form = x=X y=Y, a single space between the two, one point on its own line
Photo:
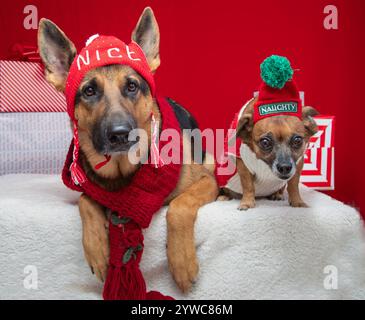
x=211 y=51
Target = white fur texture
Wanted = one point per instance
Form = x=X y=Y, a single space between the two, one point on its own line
x=266 y=182
x=270 y=252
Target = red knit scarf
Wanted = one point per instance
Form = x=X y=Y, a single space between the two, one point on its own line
x=133 y=207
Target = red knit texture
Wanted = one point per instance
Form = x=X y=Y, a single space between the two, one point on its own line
x=144 y=196
x=267 y=95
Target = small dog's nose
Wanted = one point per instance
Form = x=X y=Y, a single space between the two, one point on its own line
x=118 y=134
x=284 y=168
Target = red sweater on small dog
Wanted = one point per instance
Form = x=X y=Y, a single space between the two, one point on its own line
x=133 y=206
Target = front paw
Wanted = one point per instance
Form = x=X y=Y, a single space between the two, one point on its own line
x=223 y=197
x=277 y=196
x=96 y=250
x=183 y=265
x=246 y=204
x=298 y=204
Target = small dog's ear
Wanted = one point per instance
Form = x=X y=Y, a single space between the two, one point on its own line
x=57 y=53
x=310 y=125
x=245 y=124
x=147 y=35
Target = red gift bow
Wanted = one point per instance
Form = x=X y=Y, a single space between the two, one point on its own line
x=22 y=52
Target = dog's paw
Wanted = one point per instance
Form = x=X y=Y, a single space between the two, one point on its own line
x=277 y=196
x=96 y=250
x=183 y=266
x=223 y=198
x=246 y=204
x=298 y=204
x=184 y=276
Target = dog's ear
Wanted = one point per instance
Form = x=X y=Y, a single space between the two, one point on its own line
x=245 y=124
x=57 y=53
x=147 y=36
x=310 y=125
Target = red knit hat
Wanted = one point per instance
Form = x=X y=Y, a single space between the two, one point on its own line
x=278 y=94
x=101 y=51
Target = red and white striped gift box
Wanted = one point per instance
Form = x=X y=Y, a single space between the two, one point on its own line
x=318 y=171
x=24 y=89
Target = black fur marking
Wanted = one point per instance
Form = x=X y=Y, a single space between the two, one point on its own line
x=143 y=87
x=184 y=117
x=78 y=97
x=97 y=138
x=145 y=24
x=187 y=121
x=89 y=100
x=53 y=34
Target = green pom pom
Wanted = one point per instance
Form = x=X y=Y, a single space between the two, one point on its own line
x=276 y=71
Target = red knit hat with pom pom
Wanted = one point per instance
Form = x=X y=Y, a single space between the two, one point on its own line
x=278 y=94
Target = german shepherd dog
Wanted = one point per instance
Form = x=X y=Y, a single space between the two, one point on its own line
x=112 y=108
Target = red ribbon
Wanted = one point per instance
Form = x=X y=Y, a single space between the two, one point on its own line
x=24 y=52
x=103 y=163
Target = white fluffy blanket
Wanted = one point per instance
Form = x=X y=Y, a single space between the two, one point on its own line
x=270 y=252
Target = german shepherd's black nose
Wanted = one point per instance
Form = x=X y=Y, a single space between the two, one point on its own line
x=118 y=133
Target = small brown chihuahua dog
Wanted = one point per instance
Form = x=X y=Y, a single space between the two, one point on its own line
x=274 y=130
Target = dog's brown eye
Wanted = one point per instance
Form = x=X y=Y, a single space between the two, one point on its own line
x=266 y=144
x=296 y=141
x=89 y=91
x=132 y=86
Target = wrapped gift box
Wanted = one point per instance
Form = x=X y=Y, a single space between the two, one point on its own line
x=34 y=127
x=24 y=89
x=319 y=171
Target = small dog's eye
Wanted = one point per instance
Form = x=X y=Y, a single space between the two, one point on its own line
x=89 y=91
x=132 y=86
x=266 y=144
x=297 y=141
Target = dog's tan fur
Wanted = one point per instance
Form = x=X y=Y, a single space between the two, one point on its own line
x=282 y=128
x=196 y=186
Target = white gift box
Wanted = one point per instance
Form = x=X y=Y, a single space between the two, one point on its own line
x=319 y=161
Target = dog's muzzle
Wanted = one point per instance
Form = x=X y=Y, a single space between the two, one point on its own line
x=284 y=170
